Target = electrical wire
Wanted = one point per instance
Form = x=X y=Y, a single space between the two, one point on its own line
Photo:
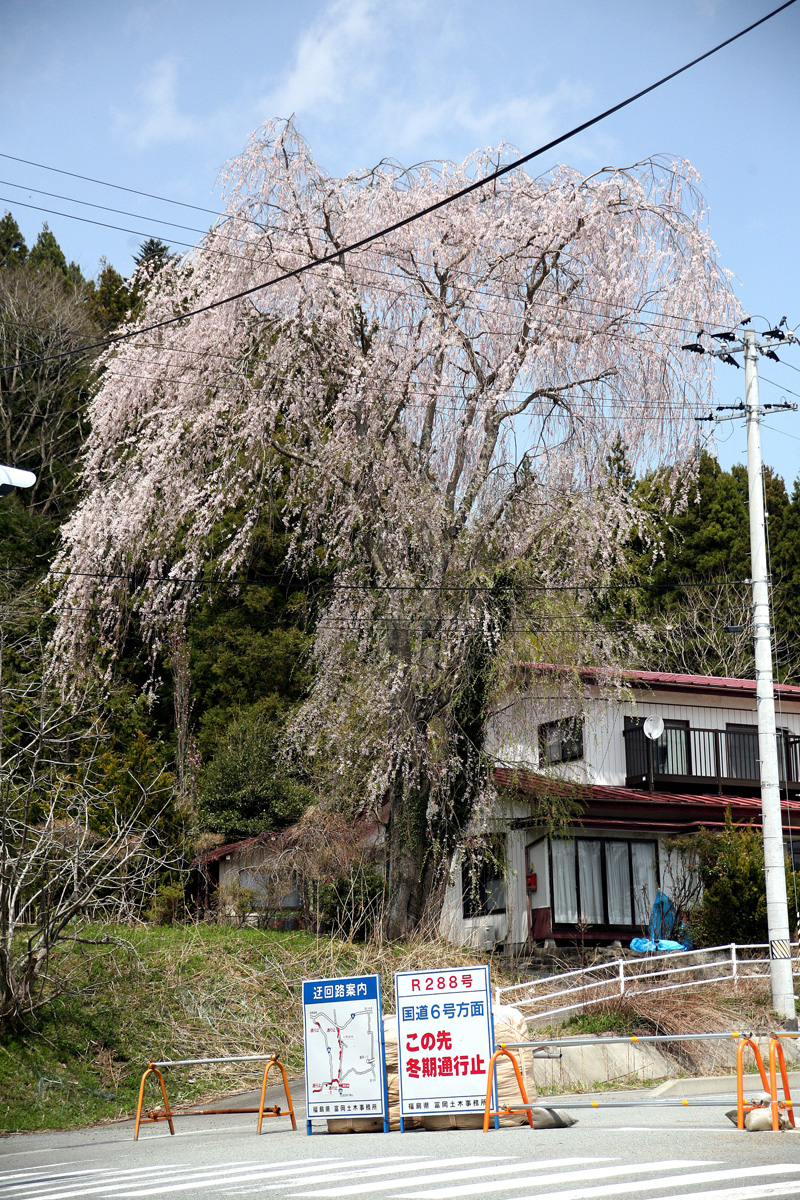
x=428 y=210
x=118 y=187
x=53 y=212
x=328 y=584
x=668 y=321
x=121 y=212
x=671 y=323
x=779 y=386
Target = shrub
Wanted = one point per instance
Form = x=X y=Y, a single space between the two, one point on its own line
x=350 y=904
x=169 y=905
x=730 y=864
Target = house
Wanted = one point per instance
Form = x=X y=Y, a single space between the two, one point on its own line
x=579 y=736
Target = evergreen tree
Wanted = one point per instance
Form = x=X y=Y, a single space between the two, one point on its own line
x=153 y=251
x=13 y=250
x=47 y=254
x=108 y=299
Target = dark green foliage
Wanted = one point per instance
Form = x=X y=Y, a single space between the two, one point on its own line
x=246 y=788
x=42 y=316
x=350 y=906
x=706 y=543
x=245 y=648
x=169 y=906
x=108 y=299
x=46 y=254
x=730 y=865
x=153 y=251
x=13 y=250
x=710 y=537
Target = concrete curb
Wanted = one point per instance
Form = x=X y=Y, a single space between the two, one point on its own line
x=710 y=1085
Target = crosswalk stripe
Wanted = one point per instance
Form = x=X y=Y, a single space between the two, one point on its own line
x=605 y=1172
x=105 y=1179
x=29 y=1185
x=7 y=1177
x=300 y=1177
x=674 y=1181
x=170 y=1179
x=759 y=1192
x=471 y=1173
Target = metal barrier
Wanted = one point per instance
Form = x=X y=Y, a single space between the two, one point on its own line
x=776 y=1059
x=586 y=986
x=156 y=1068
x=524 y=1107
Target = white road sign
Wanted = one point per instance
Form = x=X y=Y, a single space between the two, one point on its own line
x=345 y=1063
x=445 y=1039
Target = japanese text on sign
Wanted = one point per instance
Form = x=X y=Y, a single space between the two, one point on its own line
x=343 y=1035
x=445 y=1041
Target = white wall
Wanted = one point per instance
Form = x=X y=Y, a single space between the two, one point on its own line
x=512 y=733
x=512 y=926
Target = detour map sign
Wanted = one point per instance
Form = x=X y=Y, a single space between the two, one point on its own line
x=444 y=1024
x=343 y=1034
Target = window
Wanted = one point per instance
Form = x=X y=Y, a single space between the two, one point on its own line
x=561 y=741
x=483 y=886
x=742 y=745
x=671 y=753
x=603 y=881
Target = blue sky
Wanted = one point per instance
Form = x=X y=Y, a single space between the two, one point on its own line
x=157 y=96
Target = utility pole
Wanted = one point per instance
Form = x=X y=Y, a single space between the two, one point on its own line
x=780 y=950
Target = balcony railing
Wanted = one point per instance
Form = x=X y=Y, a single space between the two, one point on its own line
x=719 y=759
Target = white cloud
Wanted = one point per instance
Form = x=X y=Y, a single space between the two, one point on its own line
x=156 y=118
x=399 y=77
x=525 y=120
x=332 y=61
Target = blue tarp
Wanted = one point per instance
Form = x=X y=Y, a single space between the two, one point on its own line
x=662 y=918
x=646 y=946
x=662 y=923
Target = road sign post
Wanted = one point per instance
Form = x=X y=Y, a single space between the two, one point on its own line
x=445 y=1040
x=345 y=1061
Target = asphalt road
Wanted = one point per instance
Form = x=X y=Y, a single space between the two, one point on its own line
x=610 y=1152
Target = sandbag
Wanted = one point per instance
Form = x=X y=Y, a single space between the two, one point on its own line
x=759 y=1120
x=509 y=1026
x=551 y=1118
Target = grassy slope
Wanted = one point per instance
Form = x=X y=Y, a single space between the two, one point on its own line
x=182 y=992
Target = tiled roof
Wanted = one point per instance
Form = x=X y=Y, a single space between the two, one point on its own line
x=219 y=852
x=671 y=680
x=529 y=781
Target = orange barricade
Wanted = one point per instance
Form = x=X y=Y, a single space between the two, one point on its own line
x=741 y=1107
x=502 y=1112
x=167 y=1113
x=776 y=1051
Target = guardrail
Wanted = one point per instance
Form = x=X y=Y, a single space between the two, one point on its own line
x=604 y=981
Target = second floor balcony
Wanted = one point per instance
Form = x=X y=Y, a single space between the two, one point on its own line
x=710 y=760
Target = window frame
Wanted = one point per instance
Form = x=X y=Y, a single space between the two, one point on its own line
x=572 y=729
x=603 y=839
x=475 y=905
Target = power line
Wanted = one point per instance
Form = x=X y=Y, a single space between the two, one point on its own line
x=87 y=221
x=779 y=386
x=669 y=321
x=326 y=584
x=121 y=212
x=117 y=186
x=428 y=210
x=680 y=320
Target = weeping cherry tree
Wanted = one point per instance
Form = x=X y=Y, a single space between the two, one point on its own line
x=434 y=414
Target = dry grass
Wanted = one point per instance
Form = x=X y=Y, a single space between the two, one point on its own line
x=710 y=1009
x=184 y=992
